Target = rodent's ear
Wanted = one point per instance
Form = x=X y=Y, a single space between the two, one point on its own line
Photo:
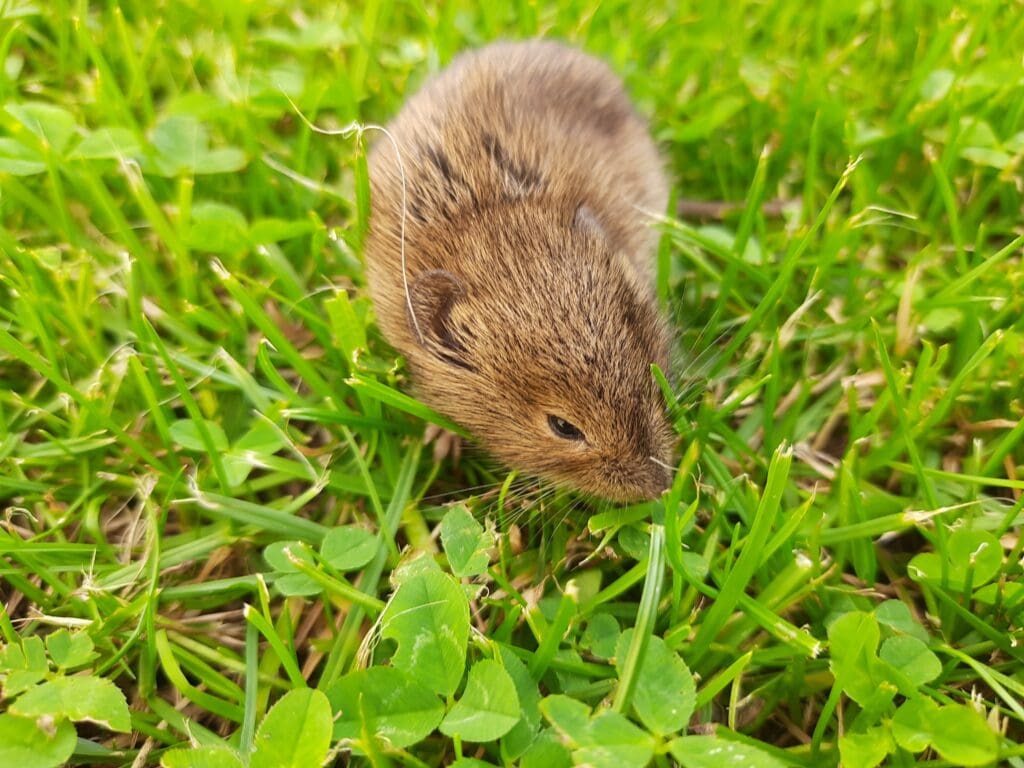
x=585 y=220
x=432 y=296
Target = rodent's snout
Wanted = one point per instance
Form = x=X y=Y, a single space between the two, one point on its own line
x=642 y=482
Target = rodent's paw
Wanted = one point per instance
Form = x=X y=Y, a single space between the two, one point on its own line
x=446 y=443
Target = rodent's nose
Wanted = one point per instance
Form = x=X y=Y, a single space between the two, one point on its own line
x=641 y=479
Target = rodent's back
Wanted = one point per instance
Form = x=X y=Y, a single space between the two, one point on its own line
x=551 y=120
x=515 y=120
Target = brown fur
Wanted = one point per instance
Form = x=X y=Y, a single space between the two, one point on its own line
x=529 y=262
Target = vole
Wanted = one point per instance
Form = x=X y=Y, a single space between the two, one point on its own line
x=526 y=307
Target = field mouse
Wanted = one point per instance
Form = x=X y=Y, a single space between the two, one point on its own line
x=526 y=307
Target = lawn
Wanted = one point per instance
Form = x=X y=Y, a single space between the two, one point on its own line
x=224 y=542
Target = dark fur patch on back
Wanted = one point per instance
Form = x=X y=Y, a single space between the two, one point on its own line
x=459 y=192
x=441 y=162
x=458 y=362
x=416 y=210
x=519 y=173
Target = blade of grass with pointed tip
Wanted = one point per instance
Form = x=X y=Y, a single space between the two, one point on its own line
x=647 y=616
x=739 y=576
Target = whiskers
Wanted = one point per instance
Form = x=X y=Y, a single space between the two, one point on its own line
x=462 y=493
x=702 y=367
x=525 y=508
x=509 y=502
x=662 y=464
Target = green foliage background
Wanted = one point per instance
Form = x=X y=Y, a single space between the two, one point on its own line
x=213 y=483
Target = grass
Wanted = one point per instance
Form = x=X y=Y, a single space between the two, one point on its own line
x=190 y=374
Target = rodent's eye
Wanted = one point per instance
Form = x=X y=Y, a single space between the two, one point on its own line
x=563 y=428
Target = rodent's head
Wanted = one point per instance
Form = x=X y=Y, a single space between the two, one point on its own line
x=539 y=339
